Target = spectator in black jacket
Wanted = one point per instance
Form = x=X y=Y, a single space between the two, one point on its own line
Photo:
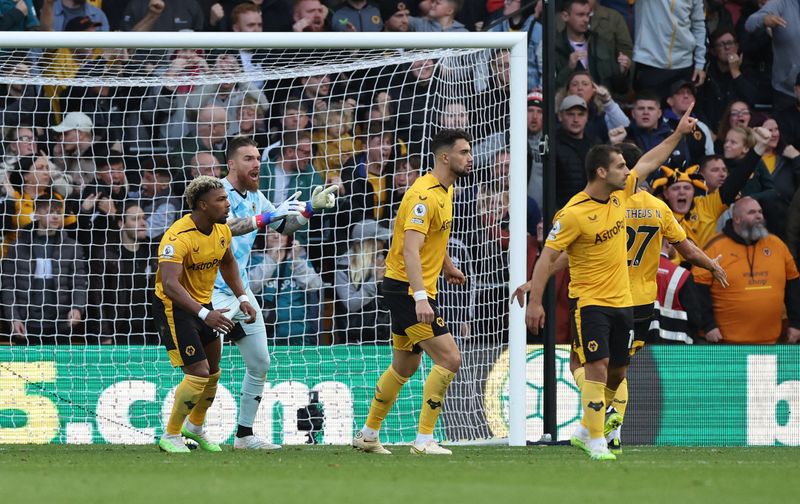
x=648 y=129
x=44 y=278
x=127 y=268
x=572 y=145
x=726 y=80
x=102 y=200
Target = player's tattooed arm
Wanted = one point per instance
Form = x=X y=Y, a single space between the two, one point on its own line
x=241 y=225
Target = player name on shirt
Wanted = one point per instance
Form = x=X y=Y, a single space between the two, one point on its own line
x=643 y=213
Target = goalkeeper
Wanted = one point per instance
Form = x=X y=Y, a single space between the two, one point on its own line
x=250 y=211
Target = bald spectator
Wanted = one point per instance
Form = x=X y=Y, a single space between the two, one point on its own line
x=441 y=18
x=309 y=16
x=163 y=15
x=750 y=309
x=395 y=16
x=205 y=163
x=210 y=135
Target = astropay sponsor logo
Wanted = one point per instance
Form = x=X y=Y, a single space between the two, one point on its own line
x=773 y=408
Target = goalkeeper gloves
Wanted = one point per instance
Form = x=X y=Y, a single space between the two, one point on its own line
x=323 y=198
x=290 y=207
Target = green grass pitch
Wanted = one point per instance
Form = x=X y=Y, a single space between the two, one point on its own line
x=498 y=475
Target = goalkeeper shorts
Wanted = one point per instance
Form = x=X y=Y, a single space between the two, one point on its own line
x=406 y=331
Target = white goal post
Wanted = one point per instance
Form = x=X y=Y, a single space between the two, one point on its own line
x=340 y=58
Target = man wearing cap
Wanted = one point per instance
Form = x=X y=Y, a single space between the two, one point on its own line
x=356 y=16
x=75 y=141
x=395 y=16
x=572 y=145
x=65 y=11
x=700 y=141
x=535 y=125
x=360 y=314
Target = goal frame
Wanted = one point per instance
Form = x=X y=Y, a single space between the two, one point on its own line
x=516 y=43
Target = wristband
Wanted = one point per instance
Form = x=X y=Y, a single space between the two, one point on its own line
x=420 y=295
x=203 y=313
x=309 y=211
x=243 y=298
x=263 y=219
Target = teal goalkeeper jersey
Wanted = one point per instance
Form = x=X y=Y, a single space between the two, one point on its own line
x=243 y=206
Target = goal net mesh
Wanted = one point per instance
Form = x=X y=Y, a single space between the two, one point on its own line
x=98 y=147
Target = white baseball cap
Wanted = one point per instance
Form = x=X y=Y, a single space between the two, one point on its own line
x=75 y=120
x=368 y=229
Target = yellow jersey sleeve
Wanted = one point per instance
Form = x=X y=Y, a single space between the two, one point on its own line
x=420 y=215
x=566 y=230
x=172 y=249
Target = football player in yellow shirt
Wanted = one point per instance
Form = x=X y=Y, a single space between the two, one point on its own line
x=191 y=252
x=417 y=256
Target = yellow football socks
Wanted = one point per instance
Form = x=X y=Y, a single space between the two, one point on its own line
x=386 y=392
x=187 y=395
x=620 y=398
x=198 y=414
x=594 y=410
x=433 y=397
x=580 y=377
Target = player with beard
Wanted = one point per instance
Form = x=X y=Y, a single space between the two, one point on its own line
x=191 y=252
x=763 y=280
x=252 y=211
x=417 y=256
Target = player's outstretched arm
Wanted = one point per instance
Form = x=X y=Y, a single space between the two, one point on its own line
x=655 y=157
x=560 y=263
x=412 y=243
x=321 y=199
x=170 y=279
x=230 y=273
x=534 y=315
x=692 y=253
x=291 y=207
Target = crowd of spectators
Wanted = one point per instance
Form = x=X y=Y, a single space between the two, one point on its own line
x=93 y=175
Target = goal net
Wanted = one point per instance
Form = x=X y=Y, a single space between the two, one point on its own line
x=98 y=146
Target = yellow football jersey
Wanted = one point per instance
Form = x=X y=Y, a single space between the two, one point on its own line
x=199 y=254
x=427 y=207
x=592 y=232
x=648 y=219
x=700 y=223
